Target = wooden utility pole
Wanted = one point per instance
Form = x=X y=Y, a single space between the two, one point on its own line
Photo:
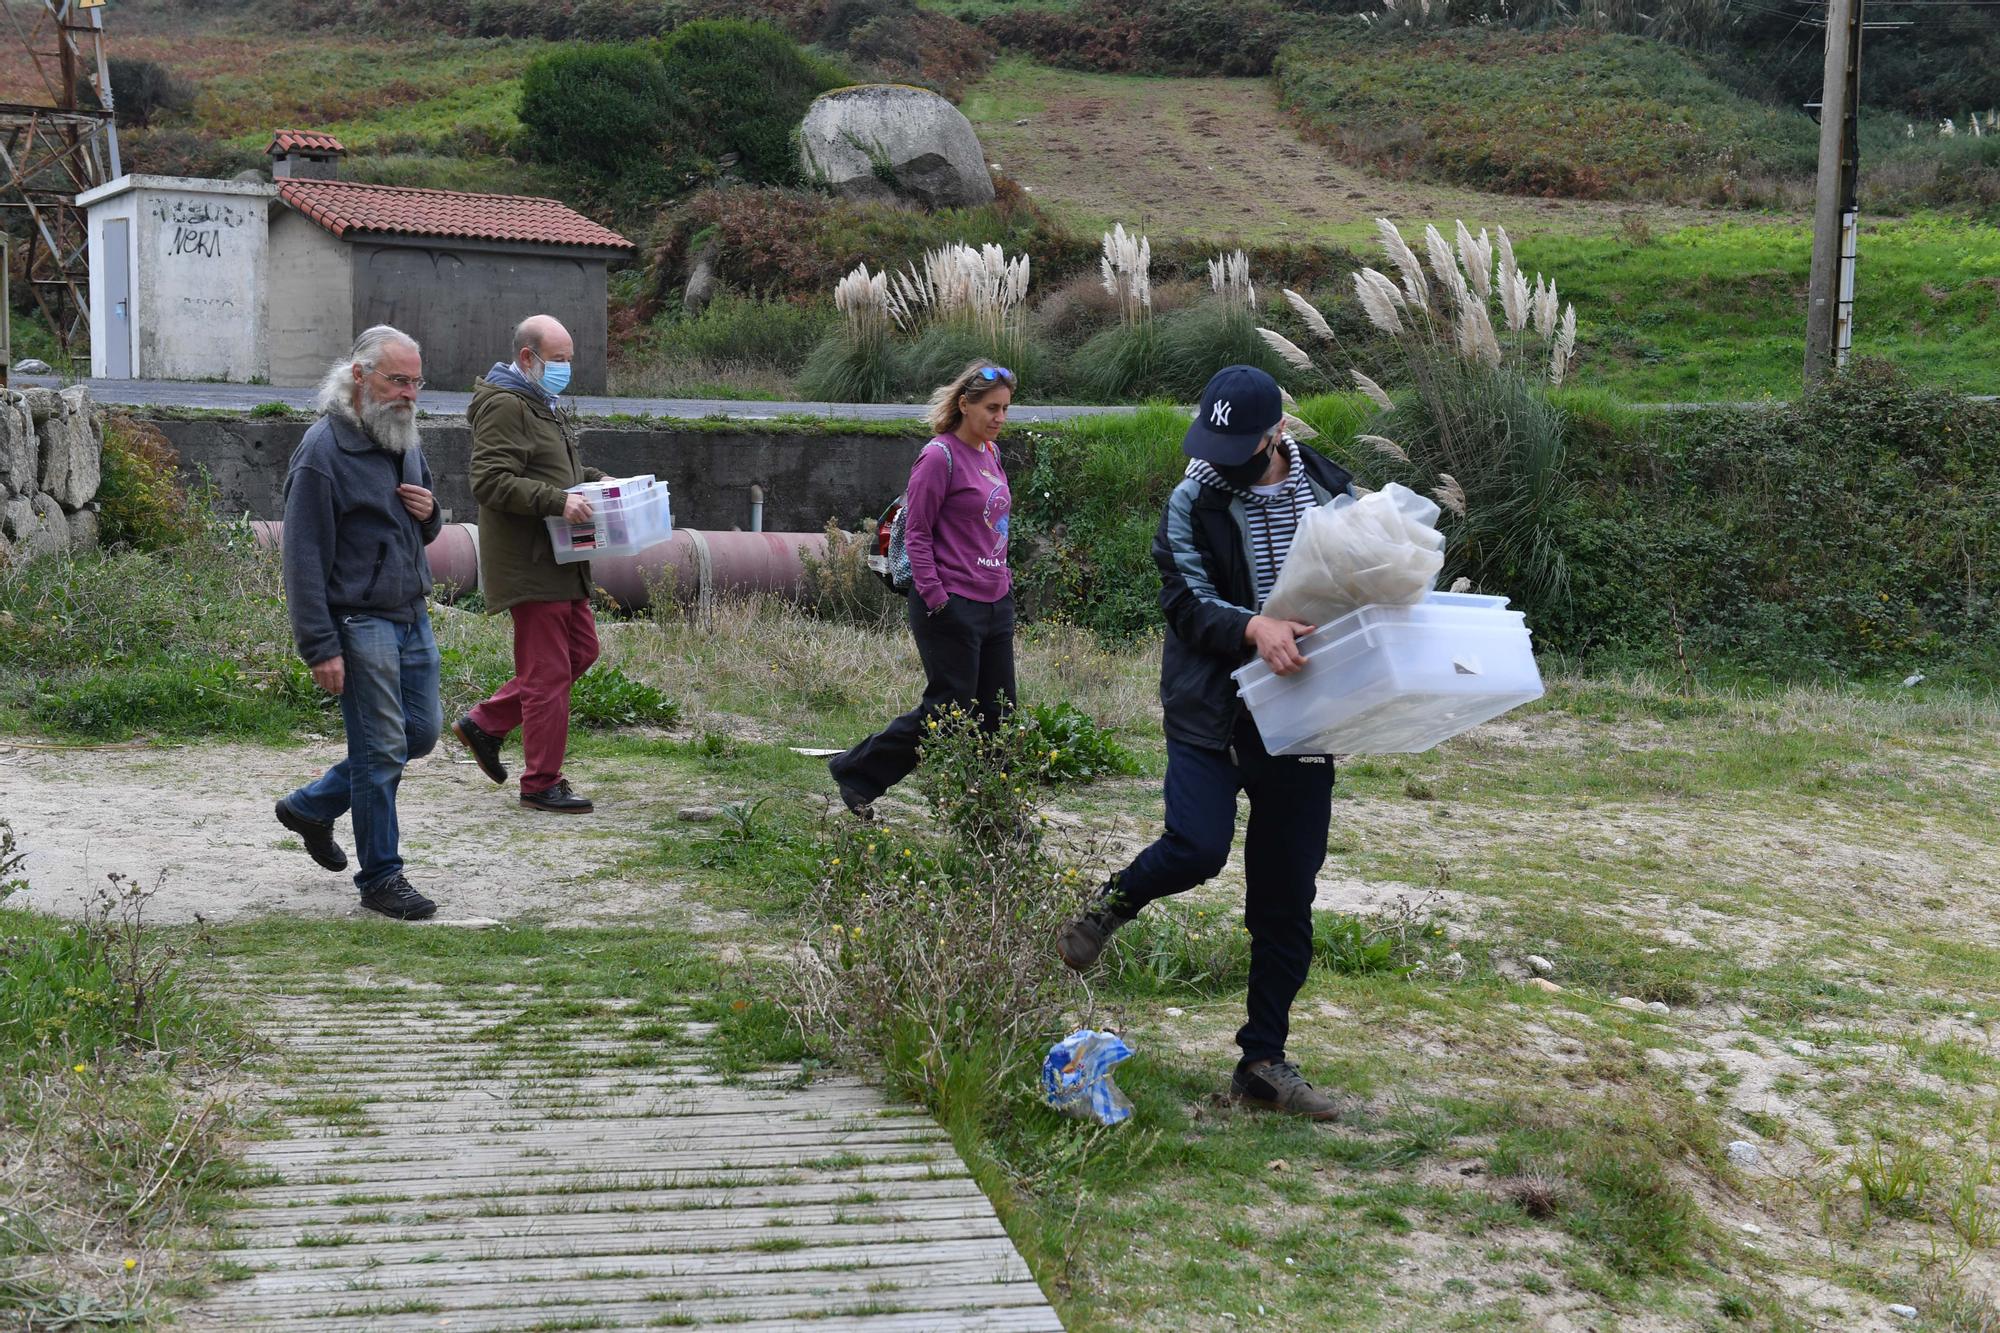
x=1830 y=293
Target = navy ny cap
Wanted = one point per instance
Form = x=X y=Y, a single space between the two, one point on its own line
x=1238 y=408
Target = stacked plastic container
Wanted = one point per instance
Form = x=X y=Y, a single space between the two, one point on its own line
x=627 y=515
x=1396 y=679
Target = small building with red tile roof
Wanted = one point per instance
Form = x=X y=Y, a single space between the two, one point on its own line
x=327 y=258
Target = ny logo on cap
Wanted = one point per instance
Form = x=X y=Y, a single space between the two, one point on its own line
x=1218 y=415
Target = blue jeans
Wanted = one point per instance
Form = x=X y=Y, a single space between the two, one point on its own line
x=1291 y=806
x=390 y=707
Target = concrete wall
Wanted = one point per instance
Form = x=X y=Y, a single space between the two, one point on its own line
x=462 y=303
x=311 y=298
x=806 y=478
x=199 y=249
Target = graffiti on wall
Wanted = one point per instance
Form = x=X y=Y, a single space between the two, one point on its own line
x=195 y=227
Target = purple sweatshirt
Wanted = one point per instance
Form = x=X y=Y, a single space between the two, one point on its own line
x=955 y=528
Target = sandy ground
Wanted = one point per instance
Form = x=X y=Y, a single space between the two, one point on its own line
x=198 y=820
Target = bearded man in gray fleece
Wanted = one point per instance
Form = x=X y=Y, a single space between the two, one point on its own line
x=358 y=513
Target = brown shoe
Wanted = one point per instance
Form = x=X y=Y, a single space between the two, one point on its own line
x=1277 y=1085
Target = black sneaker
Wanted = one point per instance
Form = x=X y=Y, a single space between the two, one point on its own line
x=557 y=800
x=317 y=837
x=1277 y=1085
x=394 y=897
x=1082 y=941
x=861 y=807
x=485 y=747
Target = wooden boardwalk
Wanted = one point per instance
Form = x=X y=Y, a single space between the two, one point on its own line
x=435 y=1177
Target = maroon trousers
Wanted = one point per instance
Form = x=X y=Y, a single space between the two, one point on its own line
x=554 y=643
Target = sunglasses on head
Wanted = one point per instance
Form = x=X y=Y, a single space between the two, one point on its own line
x=994 y=373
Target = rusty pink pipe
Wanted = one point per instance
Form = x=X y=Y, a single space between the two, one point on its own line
x=700 y=564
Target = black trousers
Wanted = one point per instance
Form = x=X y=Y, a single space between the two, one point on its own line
x=968 y=654
x=1291 y=805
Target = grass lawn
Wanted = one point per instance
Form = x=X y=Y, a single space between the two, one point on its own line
x=1802 y=878
x=1717 y=312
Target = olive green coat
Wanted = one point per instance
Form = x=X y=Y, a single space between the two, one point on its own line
x=523 y=459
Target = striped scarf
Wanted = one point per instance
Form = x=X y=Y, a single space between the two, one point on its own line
x=1271 y=521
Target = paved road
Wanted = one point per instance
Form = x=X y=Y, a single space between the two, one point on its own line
x=243 y=397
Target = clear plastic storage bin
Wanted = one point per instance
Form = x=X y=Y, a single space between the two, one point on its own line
x=1396 y=679
x=619 y=525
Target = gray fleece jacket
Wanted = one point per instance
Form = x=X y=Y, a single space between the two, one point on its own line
x=350 y=546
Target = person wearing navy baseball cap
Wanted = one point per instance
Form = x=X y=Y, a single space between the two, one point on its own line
x=1221 y=541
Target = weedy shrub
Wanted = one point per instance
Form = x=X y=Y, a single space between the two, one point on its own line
x=840 y=586
x=605 y=697
x=928 y=950
x=1175 y=948
x=740 y=330
x=141 y=500
x=1071 y=746
x=1175 y=37
x=113 y=1132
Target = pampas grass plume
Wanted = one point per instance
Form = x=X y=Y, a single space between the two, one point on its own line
x=1374 y=391
x=1285 y=348
x=1384 y=446
x=1308 y=312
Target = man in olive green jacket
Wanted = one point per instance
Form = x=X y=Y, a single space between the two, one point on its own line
x=524 y=459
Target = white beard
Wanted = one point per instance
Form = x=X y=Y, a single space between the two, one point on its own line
x=393 y=426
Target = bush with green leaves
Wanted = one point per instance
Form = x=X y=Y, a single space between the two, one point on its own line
x=1071 y=746
x=142 y=502
x=741 y=87
x=607 y=109
x=1843 y=534
x=605 y=697
x=926 y=951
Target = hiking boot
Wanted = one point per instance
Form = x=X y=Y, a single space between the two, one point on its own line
x=1277 y=1085
x=394 y=897
x=557 y=800
x=1082 y=941
x=317 y=837
x=861 y=807
x=484 y=745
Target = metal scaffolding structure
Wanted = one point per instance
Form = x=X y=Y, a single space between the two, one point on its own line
x=50 y=153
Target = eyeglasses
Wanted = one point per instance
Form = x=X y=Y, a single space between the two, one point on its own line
x=400 y=381
x=992 y=374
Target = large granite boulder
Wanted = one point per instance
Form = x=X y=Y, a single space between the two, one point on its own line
x=72 y=453
x=36 y=525
x=886 y=141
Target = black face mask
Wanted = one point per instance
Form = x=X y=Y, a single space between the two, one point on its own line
x=1247 y=473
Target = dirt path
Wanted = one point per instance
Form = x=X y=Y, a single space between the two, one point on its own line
x=198 y=819
x=1219 y=158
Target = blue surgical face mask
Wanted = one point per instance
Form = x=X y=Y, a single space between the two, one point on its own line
x=555 y=377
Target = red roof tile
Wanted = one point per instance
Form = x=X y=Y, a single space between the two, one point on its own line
x=352 y=206
x=284 y=141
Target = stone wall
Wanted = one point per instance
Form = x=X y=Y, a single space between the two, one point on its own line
x=51 y=455
x=807 y=477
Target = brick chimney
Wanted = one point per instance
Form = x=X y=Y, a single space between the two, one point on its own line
x=303 y=155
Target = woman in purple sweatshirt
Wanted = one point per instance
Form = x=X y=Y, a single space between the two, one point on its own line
x=962 y=594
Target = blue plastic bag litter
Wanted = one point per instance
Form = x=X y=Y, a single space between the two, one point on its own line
x=1076 y=1078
